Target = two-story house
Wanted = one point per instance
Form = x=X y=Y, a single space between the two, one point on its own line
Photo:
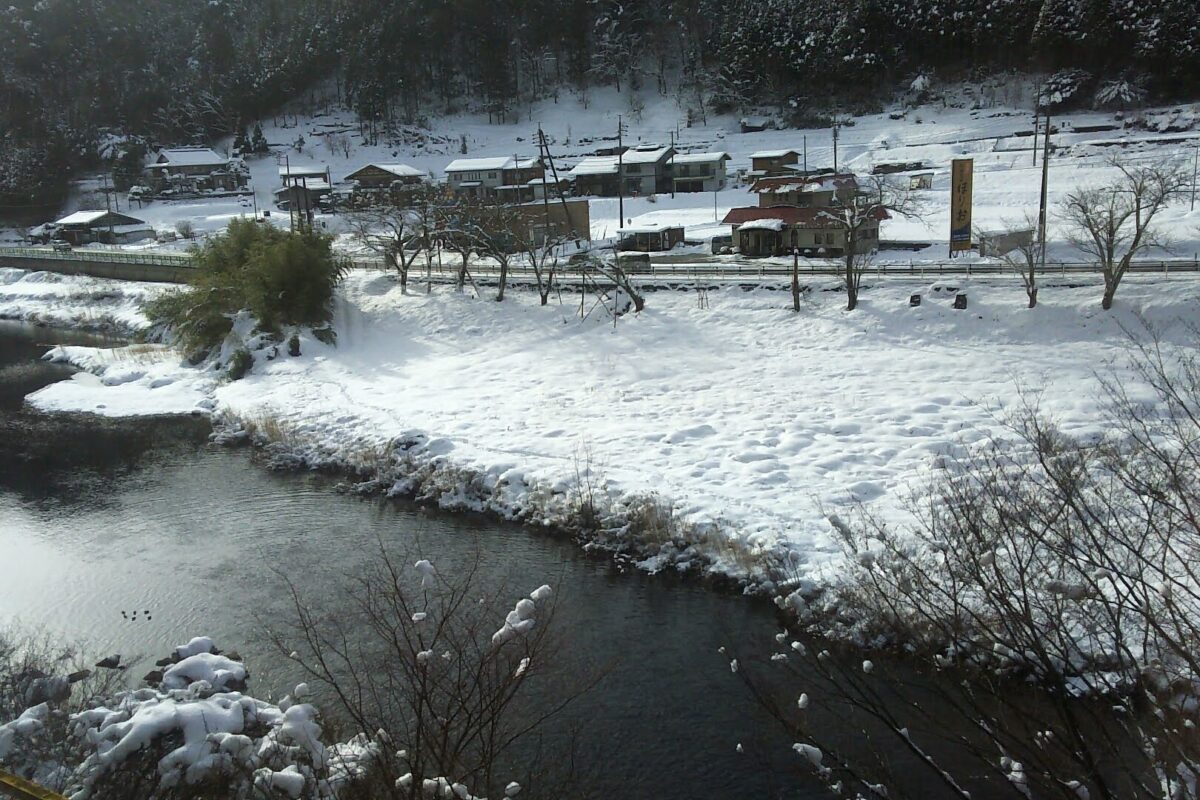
x=803 y=214
x=698 y=172
x=490 y=178
x=642 y=170
x=772 y=162
x=814 y=191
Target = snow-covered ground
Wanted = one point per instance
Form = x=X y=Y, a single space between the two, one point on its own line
x=73 y=301
x=997 y=137
x=743 y=414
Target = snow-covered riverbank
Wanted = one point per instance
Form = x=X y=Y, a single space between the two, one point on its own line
x=753 y=421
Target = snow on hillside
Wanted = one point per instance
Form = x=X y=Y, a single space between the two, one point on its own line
x=750 y=418
x=998 y=138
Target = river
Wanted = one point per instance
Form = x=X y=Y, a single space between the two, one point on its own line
x=100 y=517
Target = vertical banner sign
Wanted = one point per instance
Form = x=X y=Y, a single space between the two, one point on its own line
x=961 y=174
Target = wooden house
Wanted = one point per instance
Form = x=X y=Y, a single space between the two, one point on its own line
x=107 y=227
x=772 y=162
x=649 y=238
x=387 y=176
x=815 y=191
x=812 y=231
x=194 y=170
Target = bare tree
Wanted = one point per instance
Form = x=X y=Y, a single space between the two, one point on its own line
x=428 y=659
x=1025 y=256
x=458 y=228
x=1114 y=223
x=857 y=217
x=397 y=233
x=1037 y=560
x=496 y=232
x=612 y=270
x=541 y=254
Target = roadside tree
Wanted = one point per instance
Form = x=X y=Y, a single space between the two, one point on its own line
x=1116 y=222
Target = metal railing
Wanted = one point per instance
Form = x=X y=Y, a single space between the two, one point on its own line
x=744 y=269
x=103 y=256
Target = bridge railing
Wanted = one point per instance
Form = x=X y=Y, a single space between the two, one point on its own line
x=109 y=256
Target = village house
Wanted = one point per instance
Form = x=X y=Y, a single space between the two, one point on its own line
x=560 y=218
x=772 y=162
x=383 y=183
x=105 y=227
x=801 y=213
x=642 y=170
x=504 y=177
x=649 y=238
x=815 y=191
x=699 y=172
x=812 y=231
x=303 y=187
x=194 y=170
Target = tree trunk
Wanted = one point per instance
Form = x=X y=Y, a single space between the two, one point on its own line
x=462 y=271
x=795 y=281
x=1033 y=297
x=503 y=281
x=1110 y=291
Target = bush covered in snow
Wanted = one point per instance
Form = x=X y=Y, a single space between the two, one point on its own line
x=279 y=279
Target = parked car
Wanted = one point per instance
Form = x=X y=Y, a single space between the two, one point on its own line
x=60 y=246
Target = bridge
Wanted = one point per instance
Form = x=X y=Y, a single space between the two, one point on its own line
x=673 y=268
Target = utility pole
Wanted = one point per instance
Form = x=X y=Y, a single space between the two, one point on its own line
x=836 y=120
x=1195 y=164
x=291 y=194
x=672 y=169
x=1045 y=182
x=620 y=176
x=1035 y=135
x=806 y=155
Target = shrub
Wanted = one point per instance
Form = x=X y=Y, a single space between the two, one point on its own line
x=239 y=364
x=280 y=278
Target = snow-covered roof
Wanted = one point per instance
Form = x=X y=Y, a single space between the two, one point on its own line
x=310 y=185
x=190 y=157
x=699 y=158
x=645 y=155
x=817 y=183
x=490 y=164
x=596 y=165
x=648 y=227
x=302 y=170
x=91 y=217
x=773 y=153
x=770 y=224
x=400 y=170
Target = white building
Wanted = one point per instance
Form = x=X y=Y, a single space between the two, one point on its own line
x=699 y=172
x=483 y=177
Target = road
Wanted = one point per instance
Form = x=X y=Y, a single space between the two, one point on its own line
x=679 y=268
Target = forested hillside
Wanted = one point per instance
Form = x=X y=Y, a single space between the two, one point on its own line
x=75 y=73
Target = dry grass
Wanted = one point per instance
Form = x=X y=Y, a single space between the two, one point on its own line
x=264 y=427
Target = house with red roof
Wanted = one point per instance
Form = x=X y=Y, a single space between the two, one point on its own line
x=805 y=215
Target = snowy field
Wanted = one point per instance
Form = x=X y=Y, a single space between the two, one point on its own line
x=996 y=136
x=742 y=414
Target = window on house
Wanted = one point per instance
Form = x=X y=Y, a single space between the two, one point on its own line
x=829 y=238
x=491 y=176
